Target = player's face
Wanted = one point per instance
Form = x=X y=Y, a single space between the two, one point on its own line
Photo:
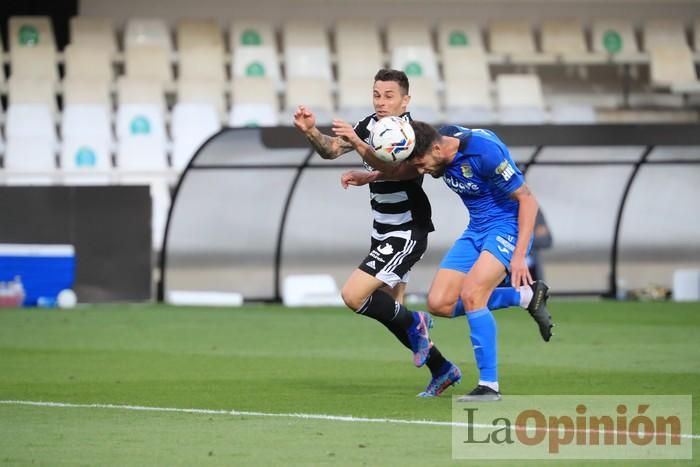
x=430 y=163
x=388 y=100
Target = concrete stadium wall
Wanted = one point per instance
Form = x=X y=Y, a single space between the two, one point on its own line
x=329 y=10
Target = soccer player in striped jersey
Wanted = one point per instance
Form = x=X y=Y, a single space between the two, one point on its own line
x=402 y=221
x=477 y=166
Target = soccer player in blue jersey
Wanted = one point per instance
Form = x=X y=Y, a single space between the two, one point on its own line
x=477 y=166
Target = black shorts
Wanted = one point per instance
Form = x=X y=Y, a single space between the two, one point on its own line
x=391 y=259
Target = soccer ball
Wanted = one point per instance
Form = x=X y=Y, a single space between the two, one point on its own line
x=392 y=139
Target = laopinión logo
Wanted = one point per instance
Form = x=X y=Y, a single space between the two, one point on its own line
x=574 y=427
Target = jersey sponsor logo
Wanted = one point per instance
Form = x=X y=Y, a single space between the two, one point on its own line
x=376 y=256
x=385 y=249
x=459 y=186
x=467 y=171
x=505 y=170
x=371 y=264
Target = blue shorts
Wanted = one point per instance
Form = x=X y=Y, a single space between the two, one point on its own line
x=499 y=241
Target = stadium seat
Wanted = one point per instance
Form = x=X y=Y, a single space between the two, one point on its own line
x=87 y=142
x=141 y=138
x=198 y=33
x=93 y=32
x=200 y=91
x=673 y=66
x=354 y=98
x=202 y=63
x=253 y=103
x=314 y=93
x=148 y=62
x=520 y=99
x=306 y=50
x=134 y=91
x=565 y=39
x=424 y=102
x=31 y=144
x=469 y=101
x=354 y=34
x=415 y=62
x=86 y=92
x=358 y=63
x=256 y=62
x=147 y=32
x=192 y=124
x=616 y=39
x=32 y=91
x=514 y=41
x=308 y=62
x=459 y=34
x=408 y=33
x=664 y=32
x=251 y=33
x=85 y=62
x=31 y=31
x=467 y=86
x=304 y=33
x=462 y=63
x=34 y=63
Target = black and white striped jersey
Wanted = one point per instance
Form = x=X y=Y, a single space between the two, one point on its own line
x=400 y=207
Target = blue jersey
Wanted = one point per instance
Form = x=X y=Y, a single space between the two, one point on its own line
x=484 y=175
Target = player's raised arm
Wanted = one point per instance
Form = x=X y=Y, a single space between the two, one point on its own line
x=328 y=147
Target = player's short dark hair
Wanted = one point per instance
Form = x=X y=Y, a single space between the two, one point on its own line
x=387 y=74
x=426 y=135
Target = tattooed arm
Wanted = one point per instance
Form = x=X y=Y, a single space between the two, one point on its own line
x=328 y=147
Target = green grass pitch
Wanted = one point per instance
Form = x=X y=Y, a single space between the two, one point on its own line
x=270 y=359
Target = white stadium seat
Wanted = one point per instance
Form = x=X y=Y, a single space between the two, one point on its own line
x=192 y=124
x=31 y=143
x=142 y=138
x=87 y=145
x=253 y=103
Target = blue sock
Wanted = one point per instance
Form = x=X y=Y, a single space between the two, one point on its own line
x=482 y=328
x=501 y=297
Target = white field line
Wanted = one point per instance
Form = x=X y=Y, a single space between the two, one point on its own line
x=306 y=416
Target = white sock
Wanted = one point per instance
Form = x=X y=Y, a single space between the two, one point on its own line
x=525 y=295
x=489 y=384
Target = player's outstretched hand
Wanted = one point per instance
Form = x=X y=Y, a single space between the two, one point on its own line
x=346 y=131
x=519 y=272
x=304 y=119
x=357 y=178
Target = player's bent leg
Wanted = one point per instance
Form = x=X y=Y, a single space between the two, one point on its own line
x=444 y=292
x=361 y=293
x=358 y=288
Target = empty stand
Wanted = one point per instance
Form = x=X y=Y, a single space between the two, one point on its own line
x=192 y=124
x=513 y=39
x=314 y=93
x=520 y=98
x=254 y=103
x=459 y=34
x=93 y=32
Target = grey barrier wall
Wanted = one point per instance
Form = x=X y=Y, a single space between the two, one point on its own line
x=256 y=205
x=109 y=226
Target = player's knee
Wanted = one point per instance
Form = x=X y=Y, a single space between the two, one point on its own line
x=438 y=306
x=474 y=297
x=352 y=299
